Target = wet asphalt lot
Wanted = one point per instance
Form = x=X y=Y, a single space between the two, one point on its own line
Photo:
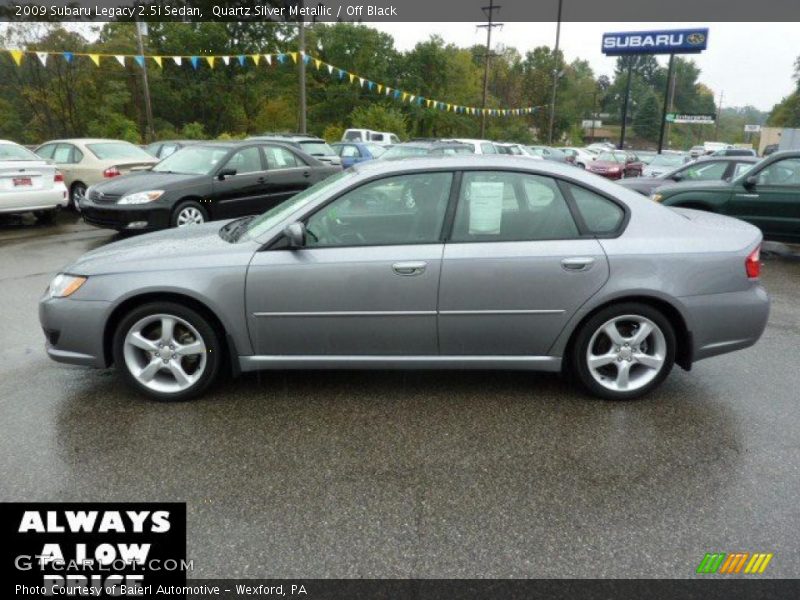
x=415 y=474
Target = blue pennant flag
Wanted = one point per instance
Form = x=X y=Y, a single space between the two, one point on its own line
x=281 y=58
x=306 y=58
x=241 y=60
x=341 y=74
x=140 y=60
x=420 y=100
x=194 y=60
x=370 y=85
x=397 y=93
x=68 y=56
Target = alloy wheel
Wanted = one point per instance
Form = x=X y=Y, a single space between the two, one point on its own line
x=189 y=216
x=165 y=353
x=626 y=353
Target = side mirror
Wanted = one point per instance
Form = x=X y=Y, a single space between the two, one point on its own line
x=751 y=181
x=226 y=173
x=677 y=177
x=295 y=235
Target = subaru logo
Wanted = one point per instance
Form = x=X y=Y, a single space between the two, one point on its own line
x=695 y=39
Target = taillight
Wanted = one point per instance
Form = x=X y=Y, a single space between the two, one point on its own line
x=111 y=172
x=58 y=178
x=752 y=264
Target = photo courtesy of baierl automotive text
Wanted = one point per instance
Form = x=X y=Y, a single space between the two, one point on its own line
x=473 y=299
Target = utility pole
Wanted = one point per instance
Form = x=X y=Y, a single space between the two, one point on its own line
x=671 y=102
x=149 y=134
x=490 y=24
x=666 y=102
x=556 y=71
x=719 y=116
x=302 y=68
x=625 y=103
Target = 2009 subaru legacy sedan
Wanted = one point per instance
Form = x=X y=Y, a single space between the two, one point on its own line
x=464 y=262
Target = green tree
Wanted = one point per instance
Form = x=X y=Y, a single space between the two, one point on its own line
x=647 y=122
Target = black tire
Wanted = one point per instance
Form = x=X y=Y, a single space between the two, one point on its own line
x=210 y=338
x=187 y=205
x=578 y=359
x=78 y=189
x=46 y=217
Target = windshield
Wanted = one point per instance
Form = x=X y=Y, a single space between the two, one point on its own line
x=117 y=150
x=317 y=148
x=193 y=160
x=403 y=151
x=15 y=152
x=276 y=214
x=665 y=160
x=612 y=157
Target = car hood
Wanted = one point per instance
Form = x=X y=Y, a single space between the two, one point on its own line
x=716 y=185
x=146 y=180
x=196 y=246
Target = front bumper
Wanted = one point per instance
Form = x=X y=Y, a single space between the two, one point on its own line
x=74 y=330
x=141 y=217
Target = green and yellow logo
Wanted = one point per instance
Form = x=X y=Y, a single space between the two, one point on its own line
x=734 y=563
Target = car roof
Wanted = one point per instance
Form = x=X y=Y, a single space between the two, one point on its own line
x=86 y=141
x=463 y=161
x=433 y=144
x=745 y=158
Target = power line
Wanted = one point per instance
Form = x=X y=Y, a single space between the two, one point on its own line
x=490 y=24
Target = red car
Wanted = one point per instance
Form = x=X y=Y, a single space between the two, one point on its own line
x=616 y=164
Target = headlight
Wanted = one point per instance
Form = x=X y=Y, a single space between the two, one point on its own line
x=64 y=285
x=141 y=197
x=656 y=197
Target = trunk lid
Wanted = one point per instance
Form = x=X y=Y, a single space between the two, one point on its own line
x=26 y=175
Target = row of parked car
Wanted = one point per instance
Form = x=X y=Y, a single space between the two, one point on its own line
x=118 y=185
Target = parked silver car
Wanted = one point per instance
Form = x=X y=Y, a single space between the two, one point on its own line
x=465 y=262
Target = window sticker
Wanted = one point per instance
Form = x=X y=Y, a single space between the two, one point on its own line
x=485 y=207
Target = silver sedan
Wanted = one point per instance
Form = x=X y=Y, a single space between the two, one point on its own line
x=469 y=262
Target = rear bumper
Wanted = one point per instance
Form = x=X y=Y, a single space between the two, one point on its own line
x=722 y=323
x=16 y=202
x=130 y=218
x=74 y=330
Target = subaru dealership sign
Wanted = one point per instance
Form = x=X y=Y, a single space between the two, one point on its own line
x=673 y=41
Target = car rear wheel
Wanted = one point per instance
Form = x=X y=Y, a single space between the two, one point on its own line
x=167 y=351
x=76 y=193
x=624 y=351
x=189 y=213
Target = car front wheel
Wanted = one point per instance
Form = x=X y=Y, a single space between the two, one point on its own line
x=624 y=351
x=189 y=213
x=166 y=350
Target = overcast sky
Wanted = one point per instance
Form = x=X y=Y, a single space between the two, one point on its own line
x=750 y=63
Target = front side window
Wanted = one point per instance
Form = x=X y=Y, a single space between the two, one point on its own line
x=487 y=148
x=63 y=154
x=247 y=160
x=349 y=152
x=600 y=214
x=46 y=151
x=783 y=172
x=496 y=206
x=403 y=209
x=741 y=169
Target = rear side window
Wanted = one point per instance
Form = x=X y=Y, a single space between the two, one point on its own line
x=46 y=151
x=488 y=148
x=599 y=214
x=280 y=158
x=495 y=206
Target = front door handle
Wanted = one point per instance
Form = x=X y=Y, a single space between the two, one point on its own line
x=577 y=263
x=262 y=180
x=409 y=268
x=306 y=174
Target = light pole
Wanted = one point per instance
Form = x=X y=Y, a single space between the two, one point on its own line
x=555 y=75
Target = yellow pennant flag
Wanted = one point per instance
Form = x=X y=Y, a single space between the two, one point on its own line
x=448 y=107
x=294 y=56
x=158 y=60
x=404 y=96
x=352 y=77
x=256 y=58
x=210 y=60
x=380 y=88
x=17 y=56
x=95 y=59
x=317 y=62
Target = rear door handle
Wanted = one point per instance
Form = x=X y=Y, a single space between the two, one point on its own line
x=306 y=174
x=577 y=263
x=409 y=268
x=262 y=180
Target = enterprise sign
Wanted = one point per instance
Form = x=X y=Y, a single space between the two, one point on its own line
x=674 y=41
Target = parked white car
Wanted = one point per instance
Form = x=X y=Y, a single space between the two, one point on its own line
x=516 y=150
x=580 y=156
x=478 y=146
x=383 y=138
x=29 y=183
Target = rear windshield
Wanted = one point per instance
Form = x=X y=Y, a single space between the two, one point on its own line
x=315 y=148
x=15 y=152
x=117 y=150
x=404 y=151
x=352 y=136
